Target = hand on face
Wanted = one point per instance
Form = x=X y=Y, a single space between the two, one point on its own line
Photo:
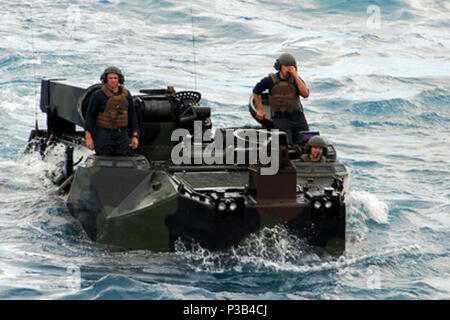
x=286 y=70
x=292 y=70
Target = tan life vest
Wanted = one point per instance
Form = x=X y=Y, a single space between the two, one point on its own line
x=115 y=114
x=284 y=95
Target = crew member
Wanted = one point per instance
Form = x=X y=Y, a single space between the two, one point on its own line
x=111 y=117
x=316 y=150
x=285 y=88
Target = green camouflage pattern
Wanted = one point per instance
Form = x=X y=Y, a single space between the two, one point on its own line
x=124 y=214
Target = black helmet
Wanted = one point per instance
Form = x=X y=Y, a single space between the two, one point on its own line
x=112 y=69
x=319 y=142
x=286 y=59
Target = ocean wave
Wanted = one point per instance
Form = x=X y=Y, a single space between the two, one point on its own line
x=349 y=6
x=365 y=163
x=326 y=85
x=9 y=62
x=433 y=118
x=370 y=206
x=382 y=107
x=384 y=124
x=434 y=98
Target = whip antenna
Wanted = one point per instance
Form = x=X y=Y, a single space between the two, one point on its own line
x=193 y=49
x=36 y=125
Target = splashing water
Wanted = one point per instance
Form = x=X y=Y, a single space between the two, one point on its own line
x=369 y=205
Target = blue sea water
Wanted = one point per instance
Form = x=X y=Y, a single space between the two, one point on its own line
x=378 y=72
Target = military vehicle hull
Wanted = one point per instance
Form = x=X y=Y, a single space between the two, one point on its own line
x=146 y=201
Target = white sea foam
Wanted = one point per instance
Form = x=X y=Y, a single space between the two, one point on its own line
x=375 y=209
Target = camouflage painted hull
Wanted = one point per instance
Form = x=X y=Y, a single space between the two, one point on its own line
x=125 y=203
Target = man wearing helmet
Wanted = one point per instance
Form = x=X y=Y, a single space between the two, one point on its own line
x=316 y=150
x=285 y=88
x=111 y=117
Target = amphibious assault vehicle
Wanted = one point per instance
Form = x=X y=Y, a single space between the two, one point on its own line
x=185 y=184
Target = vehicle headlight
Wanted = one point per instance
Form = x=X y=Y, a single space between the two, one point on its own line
x=317 y=204
x=222 y=206
x=328 y=204
x=233 y=206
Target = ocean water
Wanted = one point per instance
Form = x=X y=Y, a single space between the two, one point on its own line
x=378 y=72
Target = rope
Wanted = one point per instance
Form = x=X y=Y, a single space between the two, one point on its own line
x=193 y=49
